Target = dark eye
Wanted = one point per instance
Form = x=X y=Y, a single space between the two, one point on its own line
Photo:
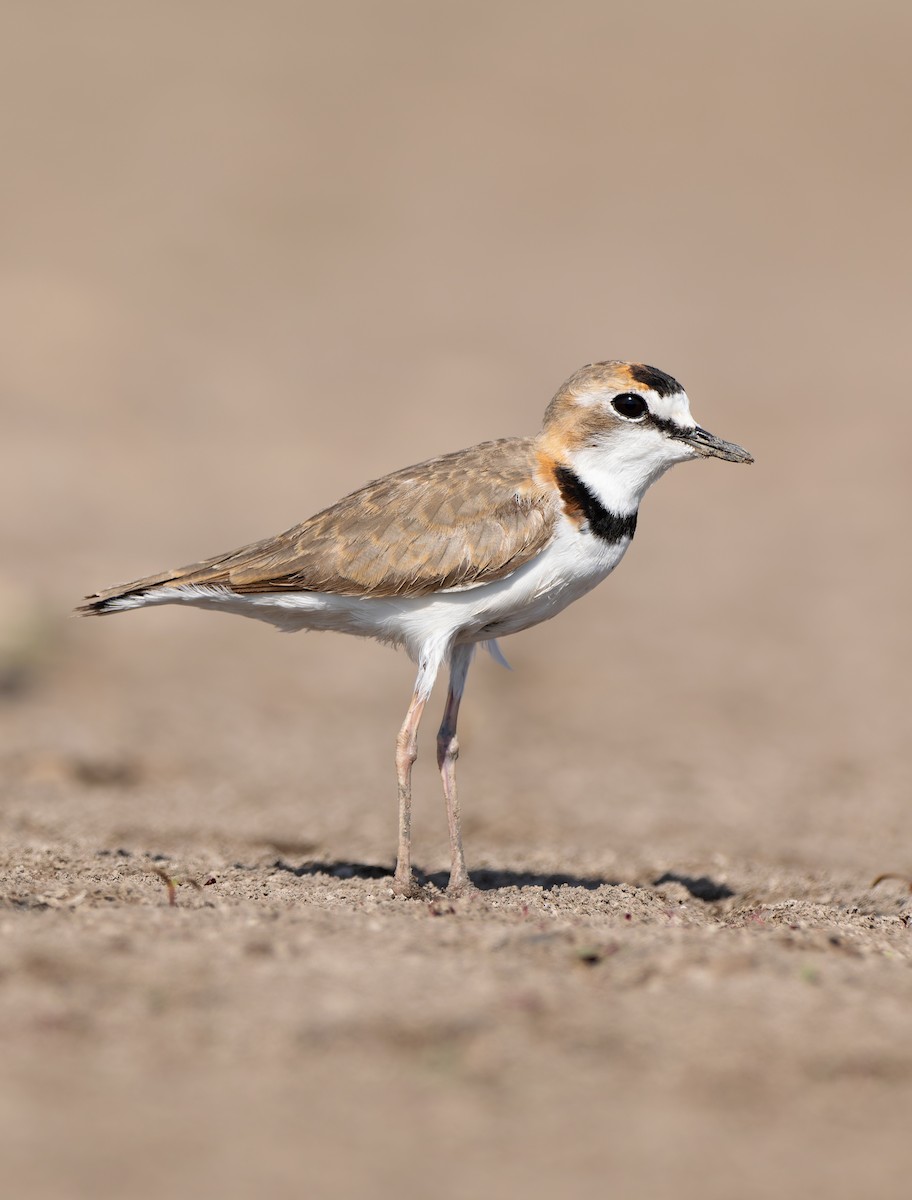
x=629 y=405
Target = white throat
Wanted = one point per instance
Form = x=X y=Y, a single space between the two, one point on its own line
x=619 y=470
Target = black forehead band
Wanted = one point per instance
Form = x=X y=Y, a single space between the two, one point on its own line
x=656 y=380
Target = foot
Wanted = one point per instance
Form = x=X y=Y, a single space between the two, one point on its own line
x=460 y=885
x=405 y=886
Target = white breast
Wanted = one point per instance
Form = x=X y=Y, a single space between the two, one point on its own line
x=571 y=565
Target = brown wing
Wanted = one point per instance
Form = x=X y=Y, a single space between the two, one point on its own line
x=461 y=519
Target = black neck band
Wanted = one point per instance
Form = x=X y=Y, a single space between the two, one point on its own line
x=604 y=524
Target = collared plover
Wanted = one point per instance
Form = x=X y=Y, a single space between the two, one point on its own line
x=461 y=550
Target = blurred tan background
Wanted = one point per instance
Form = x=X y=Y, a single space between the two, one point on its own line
x=253 y=255
x=256 y=255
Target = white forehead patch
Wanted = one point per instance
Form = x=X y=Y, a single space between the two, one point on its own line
x=674 y=408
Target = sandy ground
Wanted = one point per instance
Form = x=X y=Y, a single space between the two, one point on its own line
x=255 y=255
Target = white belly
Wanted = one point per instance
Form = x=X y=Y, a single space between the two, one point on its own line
x=571 y=565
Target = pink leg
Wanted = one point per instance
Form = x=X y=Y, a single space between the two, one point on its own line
x=447 y=753
x=406 y=753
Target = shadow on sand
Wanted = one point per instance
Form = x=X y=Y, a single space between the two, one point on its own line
x=484 y=880
x=700 y=887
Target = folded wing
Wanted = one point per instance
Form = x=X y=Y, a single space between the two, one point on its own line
x=456 y=521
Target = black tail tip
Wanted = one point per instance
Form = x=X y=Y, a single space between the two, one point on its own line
x=94 y=607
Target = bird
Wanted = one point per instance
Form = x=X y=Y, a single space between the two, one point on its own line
x=460 y=550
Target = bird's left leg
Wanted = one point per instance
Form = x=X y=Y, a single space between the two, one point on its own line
x=406 y=753
x=447 y=753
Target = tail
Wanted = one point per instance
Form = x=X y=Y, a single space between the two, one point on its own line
x=155 y=589
x=116 y=600
x=200 y=580
x=166 y=587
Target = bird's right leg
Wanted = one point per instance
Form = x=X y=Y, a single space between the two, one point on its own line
x=447 y=753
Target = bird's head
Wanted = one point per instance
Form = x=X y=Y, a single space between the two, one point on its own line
x=619 y=426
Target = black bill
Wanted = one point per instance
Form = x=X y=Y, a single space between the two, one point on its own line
x=710 y=446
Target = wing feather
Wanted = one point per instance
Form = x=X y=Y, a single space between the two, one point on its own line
x=456 y=521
